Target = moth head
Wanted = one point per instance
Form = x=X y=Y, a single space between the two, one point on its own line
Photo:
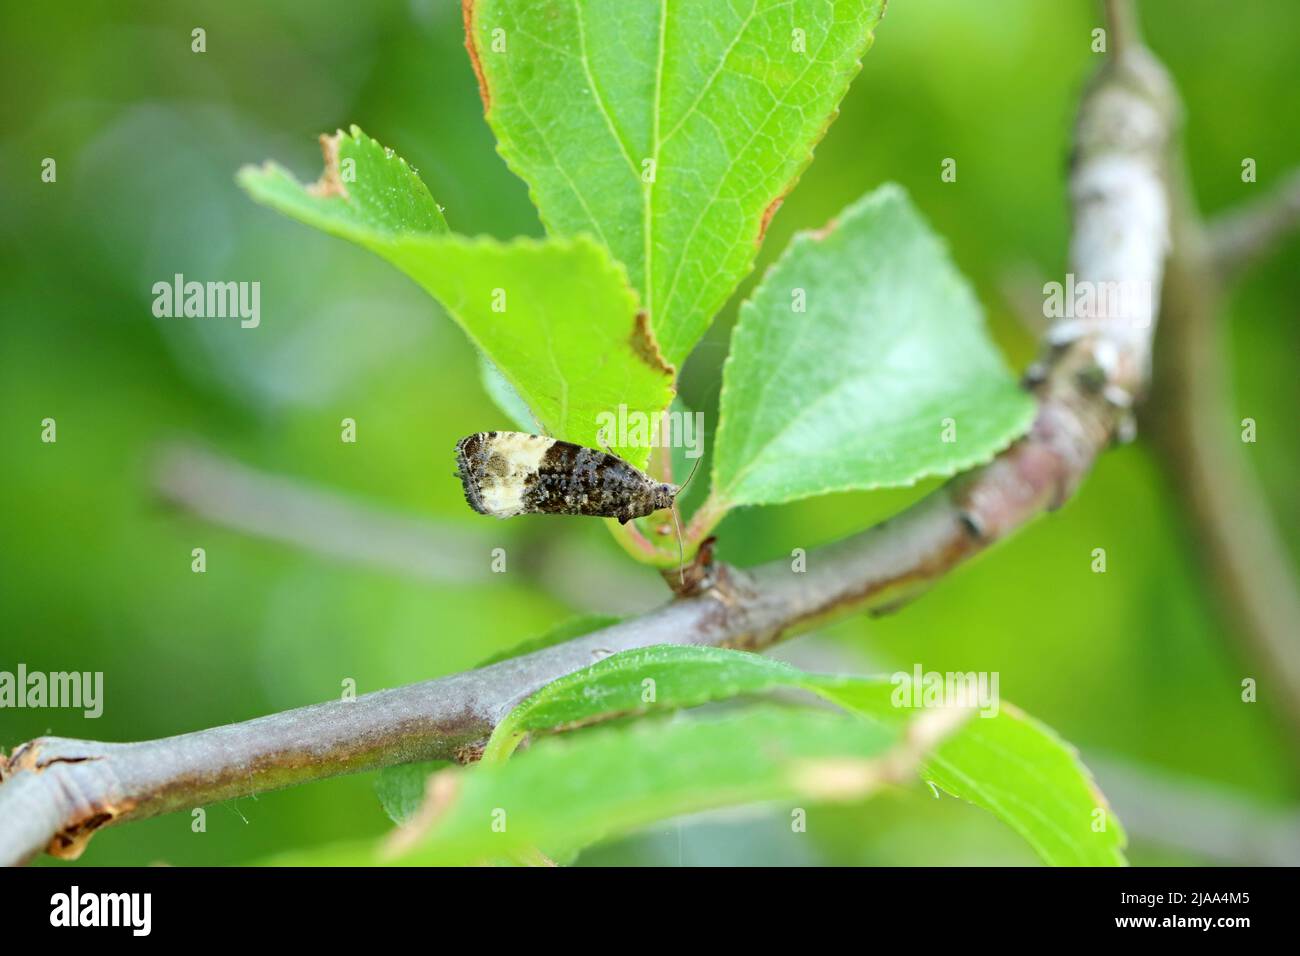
x=664 y=493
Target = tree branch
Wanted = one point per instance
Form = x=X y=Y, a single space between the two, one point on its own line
x=57 y=792
x=1244 y=236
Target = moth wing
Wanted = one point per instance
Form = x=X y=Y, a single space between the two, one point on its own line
x=579 y=480
x=496 y=467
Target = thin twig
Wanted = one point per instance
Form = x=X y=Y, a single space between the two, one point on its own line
x=1235 y=536
x=1208 y=821
x=340 y=527
x=321 y=521
x=1244 y=236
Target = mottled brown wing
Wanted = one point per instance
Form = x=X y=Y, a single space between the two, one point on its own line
x=511 y=473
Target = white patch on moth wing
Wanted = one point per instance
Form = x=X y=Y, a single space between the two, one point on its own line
x=513 y=457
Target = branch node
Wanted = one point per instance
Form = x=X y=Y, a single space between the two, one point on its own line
x=699 y=576
x=468 y=753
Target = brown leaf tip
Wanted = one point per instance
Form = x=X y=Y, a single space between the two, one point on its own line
x=330 y=182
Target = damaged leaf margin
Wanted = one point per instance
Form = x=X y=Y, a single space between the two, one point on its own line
x=558 y=318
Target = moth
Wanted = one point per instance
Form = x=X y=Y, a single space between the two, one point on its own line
x=513 y=473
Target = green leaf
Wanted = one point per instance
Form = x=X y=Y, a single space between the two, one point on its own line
x=1019 y=770
x=401 y=788
x=564 y=631
x=725 y=100
x=366 y=192
x=556 y=317
x=572 y=792
x=630 y=682
x=1008 y=763
x=886 y=378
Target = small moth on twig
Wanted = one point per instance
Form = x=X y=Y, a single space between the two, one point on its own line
x=513 y=473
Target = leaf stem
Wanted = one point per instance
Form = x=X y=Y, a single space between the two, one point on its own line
x=637 y=545
x=707 y=517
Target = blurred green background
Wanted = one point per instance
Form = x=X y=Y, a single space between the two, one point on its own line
x=1134 y=666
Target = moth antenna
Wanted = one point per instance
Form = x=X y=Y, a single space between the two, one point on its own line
x=681 y=553
x=691 y=475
